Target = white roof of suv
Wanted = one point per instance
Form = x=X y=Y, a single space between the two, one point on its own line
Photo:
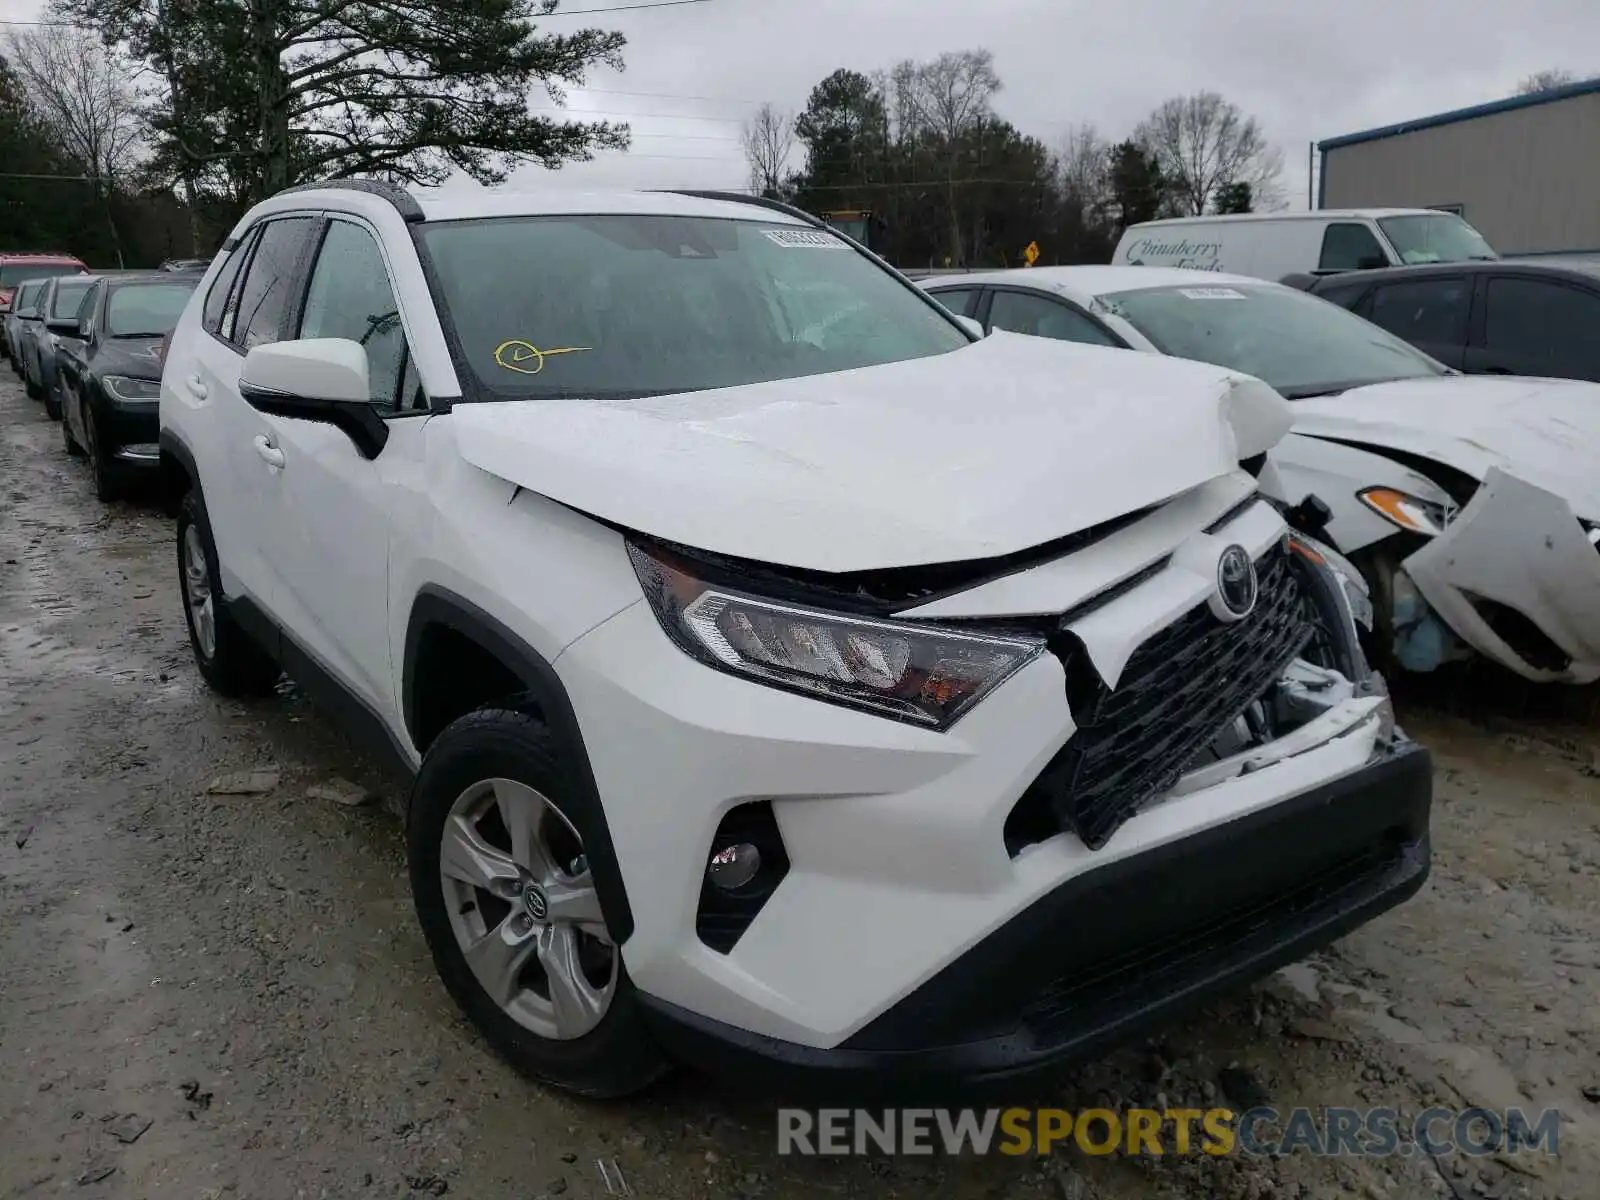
x=454 y=204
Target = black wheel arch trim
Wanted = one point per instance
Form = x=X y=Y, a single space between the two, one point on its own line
x=437 y=605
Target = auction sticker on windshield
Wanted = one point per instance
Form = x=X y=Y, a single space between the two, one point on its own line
x=1211 y=293
x=805 y=239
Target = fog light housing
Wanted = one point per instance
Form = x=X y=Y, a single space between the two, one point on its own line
x=733 y=867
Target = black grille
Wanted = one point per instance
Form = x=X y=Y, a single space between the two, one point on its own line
x=1179 y=691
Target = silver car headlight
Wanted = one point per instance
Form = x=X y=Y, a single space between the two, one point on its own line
x=1352 y=587
x=924 y=674
x=1407 y=511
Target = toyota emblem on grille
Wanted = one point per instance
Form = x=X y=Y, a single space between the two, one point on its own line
x=1236 y=582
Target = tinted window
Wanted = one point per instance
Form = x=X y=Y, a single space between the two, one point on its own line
x=1349 y=247
x=1301 y=345
x=1425 y=310
x=1026 y=312
x=1557 y=326
x=145 y=309
x=264 y=295
x=67 y=299
x=955 y=299
x=631 y=305
x=217 y=297
x=1346 y=295
x=350 y=297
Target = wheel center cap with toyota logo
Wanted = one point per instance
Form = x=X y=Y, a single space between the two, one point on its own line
x=536 y=902
x=1237 y=585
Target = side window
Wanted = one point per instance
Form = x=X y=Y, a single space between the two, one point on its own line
x=956 y=300
x=264 y=294
x=87 y=310
x=1428 y=310
x=350 y=297
x=1346 y=295
x=217 y=297
x=1025 y=312
x=1548 y=322
x=1350 y=247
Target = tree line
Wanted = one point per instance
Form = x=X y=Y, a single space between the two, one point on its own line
x=950 y=183
x=159 y=122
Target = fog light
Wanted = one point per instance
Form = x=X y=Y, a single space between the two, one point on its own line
x=733 y=867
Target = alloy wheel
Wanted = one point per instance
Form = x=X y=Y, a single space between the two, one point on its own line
x=197 y=590
x=524 y=909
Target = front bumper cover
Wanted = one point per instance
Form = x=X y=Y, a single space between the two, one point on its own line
x=1519 y=546
x=1113 y=952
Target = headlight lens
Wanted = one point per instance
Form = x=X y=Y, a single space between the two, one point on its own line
x=123 y=387
x=1407 y=511
x=923 y=674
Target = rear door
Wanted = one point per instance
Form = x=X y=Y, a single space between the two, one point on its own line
x=246 y=306
x=1431 y=312
x=1537 y=326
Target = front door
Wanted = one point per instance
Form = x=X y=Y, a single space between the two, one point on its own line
x=327 y=526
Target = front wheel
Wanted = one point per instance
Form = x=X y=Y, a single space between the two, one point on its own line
x=227 y=657
x=52 y=403
x=508 y=904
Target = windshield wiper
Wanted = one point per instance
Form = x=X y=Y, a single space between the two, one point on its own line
x=136 y=335
x=1311 y=393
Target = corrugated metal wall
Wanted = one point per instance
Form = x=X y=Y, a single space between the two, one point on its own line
x=1528 y=179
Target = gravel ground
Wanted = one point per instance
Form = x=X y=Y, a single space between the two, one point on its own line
x=207 y=995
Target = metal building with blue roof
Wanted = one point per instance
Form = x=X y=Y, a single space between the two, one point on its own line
x=1525 y=171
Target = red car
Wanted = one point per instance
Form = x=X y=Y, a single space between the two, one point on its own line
x=20 y=268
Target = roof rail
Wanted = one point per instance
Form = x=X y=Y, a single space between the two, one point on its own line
x=758 y=201
x=404 y=202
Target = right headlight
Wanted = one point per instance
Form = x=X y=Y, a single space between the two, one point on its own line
x=1407 y=511
x=924 y=674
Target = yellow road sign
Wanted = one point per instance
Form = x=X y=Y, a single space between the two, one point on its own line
x=1031 y=254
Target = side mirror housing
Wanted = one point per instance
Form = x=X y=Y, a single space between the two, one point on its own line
x=65 y=328
x=972 y=326
x=316 y=379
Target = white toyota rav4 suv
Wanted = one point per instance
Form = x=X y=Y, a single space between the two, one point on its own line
x=793 y=680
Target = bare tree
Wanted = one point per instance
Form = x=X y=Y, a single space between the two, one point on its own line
x=1083 y=163
x=83 y=92
x=1203 y=143
x=1545 y=81
x=767 y=138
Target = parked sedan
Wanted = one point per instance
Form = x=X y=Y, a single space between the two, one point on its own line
x=58 y=303
x=1511 y=317
x=110 y=373
x=1471 y=505
x=18 y=322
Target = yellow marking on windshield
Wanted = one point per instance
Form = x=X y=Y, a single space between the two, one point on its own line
x=514 y=355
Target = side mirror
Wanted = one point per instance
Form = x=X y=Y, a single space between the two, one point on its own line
x=1371 y=262
x=316 y=379
x=68 y=328
x=972 y=327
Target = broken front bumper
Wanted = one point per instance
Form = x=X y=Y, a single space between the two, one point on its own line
x=1516 y=577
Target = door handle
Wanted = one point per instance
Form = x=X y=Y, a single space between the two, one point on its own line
x=269 y=453
x=196 y=386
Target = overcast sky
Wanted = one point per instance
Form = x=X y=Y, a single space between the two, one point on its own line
x=1305 y=71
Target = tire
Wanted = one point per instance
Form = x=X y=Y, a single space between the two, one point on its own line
x=68 y=442
x=108 y=481
x=233 y=664
x=30 y=388
x=609 y=1056
x=52 y=404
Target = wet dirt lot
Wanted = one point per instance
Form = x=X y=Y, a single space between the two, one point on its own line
x=208 y=995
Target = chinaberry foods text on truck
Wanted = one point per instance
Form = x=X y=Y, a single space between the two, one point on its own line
x=829 y=695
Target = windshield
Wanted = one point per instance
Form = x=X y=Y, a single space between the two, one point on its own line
x=68 y=298
x=1301 y=345
x=14 y=273
x=1435 y=237
x=146 y=309
x=622 y=306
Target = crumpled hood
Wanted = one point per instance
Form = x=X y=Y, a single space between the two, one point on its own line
x=1545 y=431
x=997 y=447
